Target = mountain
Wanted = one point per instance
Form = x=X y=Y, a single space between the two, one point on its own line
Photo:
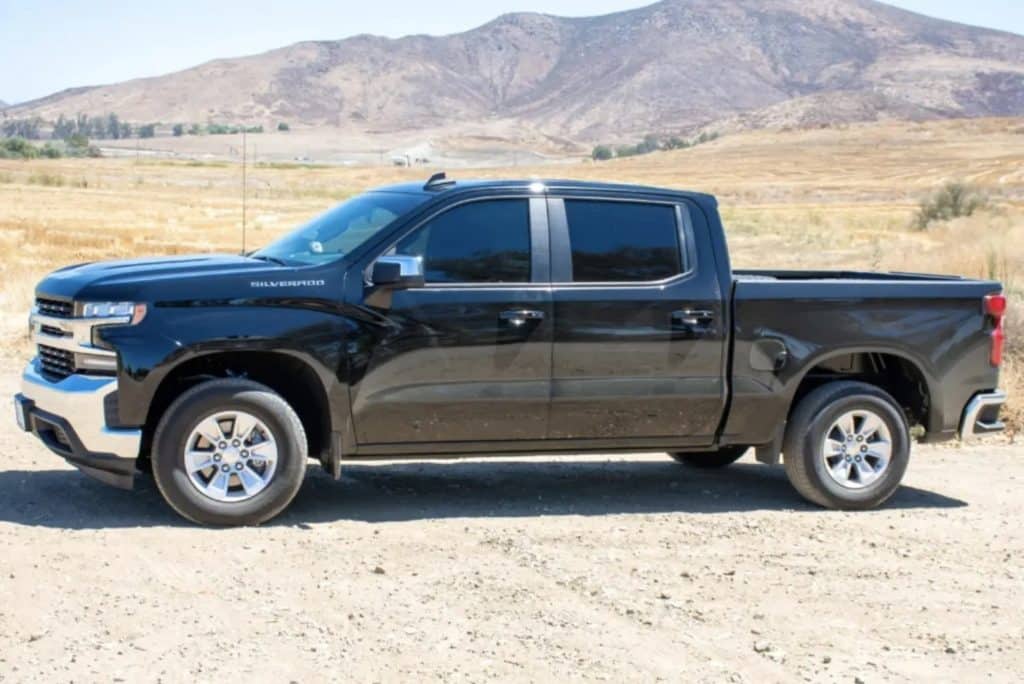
x=673 y=66
x=3 y=104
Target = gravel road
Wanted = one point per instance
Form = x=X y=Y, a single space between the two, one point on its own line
x=589 y=568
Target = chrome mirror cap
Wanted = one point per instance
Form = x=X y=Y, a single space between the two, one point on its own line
x=398 y=271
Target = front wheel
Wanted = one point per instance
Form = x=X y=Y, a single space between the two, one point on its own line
x=229 y=452
x=847 y=446
x=725 y=456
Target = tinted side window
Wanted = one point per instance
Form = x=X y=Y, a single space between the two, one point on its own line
x=622 y=241
x=479 y=242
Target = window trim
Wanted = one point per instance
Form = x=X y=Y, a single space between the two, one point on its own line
x=537 y=232
x=561 y=244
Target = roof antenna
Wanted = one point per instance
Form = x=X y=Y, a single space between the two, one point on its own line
x=438 y=180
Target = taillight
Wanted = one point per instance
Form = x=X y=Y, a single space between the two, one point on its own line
x=995 y=307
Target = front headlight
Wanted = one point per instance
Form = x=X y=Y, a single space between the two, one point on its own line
x=131 y=310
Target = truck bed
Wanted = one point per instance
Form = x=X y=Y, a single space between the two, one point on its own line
x=933 y=323
x=751 y=275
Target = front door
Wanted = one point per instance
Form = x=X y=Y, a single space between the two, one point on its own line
x=466 y=357
x=639 y=323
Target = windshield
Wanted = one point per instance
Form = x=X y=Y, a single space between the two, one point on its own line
x=340 y=230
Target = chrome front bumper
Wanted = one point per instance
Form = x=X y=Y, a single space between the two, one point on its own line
x=981 y=415
x=69 y=416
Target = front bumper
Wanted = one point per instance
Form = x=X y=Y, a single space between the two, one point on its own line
x=981 y=415
x=69 y=417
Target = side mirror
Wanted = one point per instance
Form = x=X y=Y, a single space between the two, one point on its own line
x=398 y=272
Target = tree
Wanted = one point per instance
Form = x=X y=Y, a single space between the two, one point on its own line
x=147 y=131
x=97 y=127
x=602 y=153
x=283 y=127
x=650 y=143
x=194 y=129
x=22 y=128
x=63 y=129
x=113 y=126
x=178 y=130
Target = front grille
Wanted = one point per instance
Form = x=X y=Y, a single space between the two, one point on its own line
x=55 y=307
x=55 y=332
x=56 y=362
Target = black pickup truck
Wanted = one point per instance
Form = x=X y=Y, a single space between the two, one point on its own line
x=498 y=317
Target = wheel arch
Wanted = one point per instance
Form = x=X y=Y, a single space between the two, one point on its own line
x=294 y=378
x=894 y=370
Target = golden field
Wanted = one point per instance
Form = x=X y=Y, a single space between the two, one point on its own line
x=829 y=198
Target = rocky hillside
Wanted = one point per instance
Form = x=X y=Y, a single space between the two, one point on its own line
x=670 y=67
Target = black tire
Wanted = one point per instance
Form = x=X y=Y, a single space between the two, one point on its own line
x=805 y=435
x=725 y=456
x=188 y=411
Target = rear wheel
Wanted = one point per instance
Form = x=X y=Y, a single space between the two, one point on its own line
x=710 y=459
x=847 y=446
x=229 y=452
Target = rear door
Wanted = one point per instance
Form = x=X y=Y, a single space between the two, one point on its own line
x=466 y=357
x=639 y=336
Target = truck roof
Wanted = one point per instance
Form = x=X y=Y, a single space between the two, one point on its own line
x=439 y=183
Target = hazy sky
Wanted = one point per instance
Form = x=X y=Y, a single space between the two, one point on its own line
x=48 y=45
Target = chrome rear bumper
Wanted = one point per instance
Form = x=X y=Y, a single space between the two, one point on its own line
x=981 y=415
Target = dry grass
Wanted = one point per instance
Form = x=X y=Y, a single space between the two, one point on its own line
x=812 y=199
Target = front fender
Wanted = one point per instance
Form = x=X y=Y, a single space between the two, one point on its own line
x=171 y=336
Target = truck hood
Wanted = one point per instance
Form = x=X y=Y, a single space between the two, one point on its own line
x=159 y=278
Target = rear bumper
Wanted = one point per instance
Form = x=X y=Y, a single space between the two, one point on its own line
x=69 y=417
x=981 y=415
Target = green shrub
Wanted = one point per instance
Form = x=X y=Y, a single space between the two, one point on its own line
x=602 y=153
x=677 y=143
x=952 y=201
x=283 y=127
x=178 y=130
x=51 y=151
x=17 y=148
x=78 y=142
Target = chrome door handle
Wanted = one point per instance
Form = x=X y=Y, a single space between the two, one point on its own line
x=519 y=317
x=693 y=317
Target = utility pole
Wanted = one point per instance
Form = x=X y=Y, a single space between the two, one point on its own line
x=243 y=189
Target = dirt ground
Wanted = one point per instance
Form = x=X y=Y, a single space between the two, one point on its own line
x=589 y=568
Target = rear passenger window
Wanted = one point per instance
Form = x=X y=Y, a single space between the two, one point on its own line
x=622 y=241
x=479 y=242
